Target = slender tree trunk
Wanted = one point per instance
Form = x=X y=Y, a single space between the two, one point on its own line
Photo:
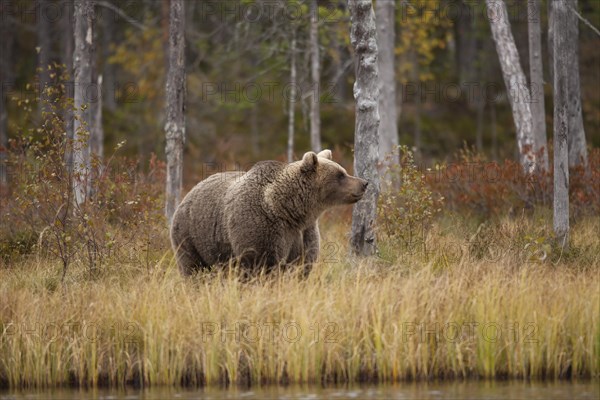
x=577 y=143
x=67 y=59
x=417 y=134
x=315 y=74
x=538 y=111
x=43 y=48
x=550 y=40
x=388 y=127
x=82 y=65
x=6 y=81
x=363 y=36
x=175 y=126
x=97 y=131
x=561 y=121
x=514 y=79
x=292 y=100
x=95 y=99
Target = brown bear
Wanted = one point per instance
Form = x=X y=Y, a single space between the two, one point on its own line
x=265 y=217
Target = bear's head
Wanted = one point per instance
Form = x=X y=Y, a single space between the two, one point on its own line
x=331 y=181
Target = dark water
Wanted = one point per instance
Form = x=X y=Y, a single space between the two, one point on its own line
x=445 y=390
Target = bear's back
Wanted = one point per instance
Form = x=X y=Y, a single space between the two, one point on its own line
x=264 y=172
x=248 y=191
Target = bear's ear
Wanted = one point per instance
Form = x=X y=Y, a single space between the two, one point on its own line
x=310 y=161
x=326 y=154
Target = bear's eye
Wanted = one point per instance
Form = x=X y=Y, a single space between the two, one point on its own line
x=341 y=175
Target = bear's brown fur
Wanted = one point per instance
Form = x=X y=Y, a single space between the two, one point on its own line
x=264 y=217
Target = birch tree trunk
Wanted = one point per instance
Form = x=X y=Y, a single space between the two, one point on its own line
x=175 y=126
x=96 y=130
x=82 y=65
x=388 y=127
x=538 y=110
x=550 y=41
x=577 y=144
x=417 y=133
x=315 y=75
x=514 y=79
x=292 y=100
x=561 y=122
x=67 y=59
x=363 y=36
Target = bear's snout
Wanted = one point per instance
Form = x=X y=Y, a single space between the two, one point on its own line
x=359 y=188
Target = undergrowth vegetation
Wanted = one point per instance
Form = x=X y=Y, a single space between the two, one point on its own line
x=39 y=212
x=447 y=313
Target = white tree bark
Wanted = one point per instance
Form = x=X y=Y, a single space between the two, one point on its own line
x=388 y=127
x=577 y=143
x=175 y=125
x=67 y=45
x=538 y=111
x=514 y=79
x=550 y=41
x=363 y=36
x=82 y=66
x=561 y=122
x=417 y=133
x=315 y=75
x=292 y=100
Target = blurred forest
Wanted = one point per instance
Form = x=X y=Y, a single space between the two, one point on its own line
x=238 y=60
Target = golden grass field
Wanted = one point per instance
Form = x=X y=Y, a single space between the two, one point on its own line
x=447 y=312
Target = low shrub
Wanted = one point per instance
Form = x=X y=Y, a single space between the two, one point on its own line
x=121 y=206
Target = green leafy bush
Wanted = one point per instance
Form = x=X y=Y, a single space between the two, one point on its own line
x=407 y=205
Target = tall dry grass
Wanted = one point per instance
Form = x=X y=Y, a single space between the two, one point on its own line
x=453 y=310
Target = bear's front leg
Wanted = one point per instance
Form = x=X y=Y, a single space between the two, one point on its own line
x=266 y=251
x=312 y=242
x=305 y=247
x=309 y=248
